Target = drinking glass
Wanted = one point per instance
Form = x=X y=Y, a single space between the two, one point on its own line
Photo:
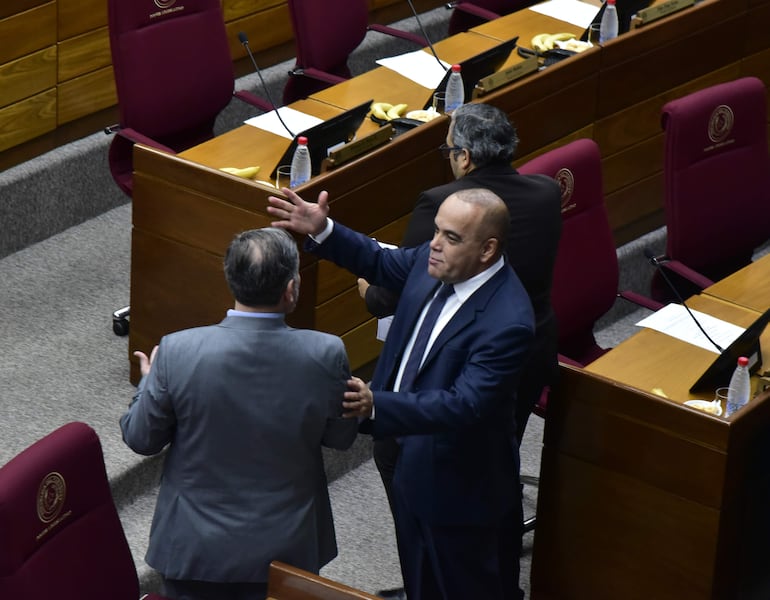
x=283 y=176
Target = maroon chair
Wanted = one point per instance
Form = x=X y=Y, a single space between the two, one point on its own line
x=717 y=183
x=325 y=33
x=61 y=535
x=586 y=273
x=173 y=74
x=469 y=14
x=586 y=276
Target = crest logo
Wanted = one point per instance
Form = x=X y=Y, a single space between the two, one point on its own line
x=50 y=497
x=163 y=4
x=721 y=123
x=566 y=181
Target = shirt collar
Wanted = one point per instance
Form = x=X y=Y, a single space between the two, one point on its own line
x=465 y=289
x=255 y=315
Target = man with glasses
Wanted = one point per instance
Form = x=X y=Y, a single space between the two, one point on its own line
x=480 y=145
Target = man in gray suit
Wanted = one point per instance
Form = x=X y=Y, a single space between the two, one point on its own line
x=243 y=480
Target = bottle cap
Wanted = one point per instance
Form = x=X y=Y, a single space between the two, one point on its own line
x=456 y=68
x=742 y=360
x=611 y=2
x=302 y=140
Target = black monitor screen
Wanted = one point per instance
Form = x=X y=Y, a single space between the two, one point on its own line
x=747 y=344
x=477 y=67
x=324 y=136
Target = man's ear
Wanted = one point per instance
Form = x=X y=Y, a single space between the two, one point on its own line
x=489 y=250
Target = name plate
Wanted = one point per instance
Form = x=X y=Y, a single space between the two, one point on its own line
x=355 y=149
x=500 y=78
x=653 y=13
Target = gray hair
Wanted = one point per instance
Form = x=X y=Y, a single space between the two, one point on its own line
x=485 y=132
x=259 y=264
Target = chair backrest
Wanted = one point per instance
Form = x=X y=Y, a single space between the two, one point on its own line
x=61 y=536
x=464 y=16
x=585 y=278
x=173 y=69
x=325 y=33
x=717 y=176
x=290 y=583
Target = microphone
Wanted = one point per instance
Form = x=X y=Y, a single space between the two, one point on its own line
x=425 y=35
x=649 y=255
x=245 y=41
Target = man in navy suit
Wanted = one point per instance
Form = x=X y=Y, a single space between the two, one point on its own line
x=456 y=486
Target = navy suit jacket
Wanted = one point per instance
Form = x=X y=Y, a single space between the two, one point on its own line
x=459 y=460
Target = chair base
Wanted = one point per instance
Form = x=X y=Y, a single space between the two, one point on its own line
x=120 y=321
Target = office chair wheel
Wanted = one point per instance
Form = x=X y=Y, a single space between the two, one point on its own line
x=120 y=321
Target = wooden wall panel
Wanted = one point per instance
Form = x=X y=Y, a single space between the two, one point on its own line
x=27 y=32
x=27 y=119
x=84 y=53
x=636 y=209
x=12 y=7
x=28 y=76
x=80 y=16
x=86 y=95
x=265 y=29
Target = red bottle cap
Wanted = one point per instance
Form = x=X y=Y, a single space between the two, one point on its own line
x=302 y=140
x=612 y=2
x=742 y=360
x=456 y=68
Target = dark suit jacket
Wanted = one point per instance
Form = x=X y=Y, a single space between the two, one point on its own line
x=459 y=457
x=534 y=202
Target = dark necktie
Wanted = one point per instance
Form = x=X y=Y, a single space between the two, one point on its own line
x=423 y=335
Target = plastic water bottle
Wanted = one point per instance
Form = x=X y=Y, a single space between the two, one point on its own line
x=300 y=164
x=455 y=90
x=609 y=24
x=740 y=387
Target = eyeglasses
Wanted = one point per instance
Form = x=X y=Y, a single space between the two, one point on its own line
x=447 y=150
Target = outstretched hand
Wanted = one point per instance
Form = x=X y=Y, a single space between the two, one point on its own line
x=294 y=214
x=145 y=362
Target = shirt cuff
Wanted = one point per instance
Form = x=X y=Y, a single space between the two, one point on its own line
x=321 y=237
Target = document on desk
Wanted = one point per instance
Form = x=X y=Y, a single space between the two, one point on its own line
x=575 y=12
x=673 y=320
x=295 y=120
x=419 y=66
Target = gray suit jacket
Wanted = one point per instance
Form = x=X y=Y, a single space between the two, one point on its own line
x=245 y=407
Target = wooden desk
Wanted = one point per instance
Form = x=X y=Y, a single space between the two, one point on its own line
x=642 y=497
x=749 y=287
x=185 y=212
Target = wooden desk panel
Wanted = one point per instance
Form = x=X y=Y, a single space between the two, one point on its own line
x=643 y=498
x=749 y=287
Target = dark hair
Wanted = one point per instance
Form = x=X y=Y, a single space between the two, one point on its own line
x=259 y=265
x=485 y=132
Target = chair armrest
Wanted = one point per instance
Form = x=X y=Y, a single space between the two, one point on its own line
x=641 y=300
x=317 y=74
x=686 y=272
x=137 y=138
x=476 y=11
x=568 y=361
x=404 y=35
x=253 y=99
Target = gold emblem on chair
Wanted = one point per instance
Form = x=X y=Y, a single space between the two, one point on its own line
x=566 y=181
x=720 y=123
x=50 y=497
x=163 y=4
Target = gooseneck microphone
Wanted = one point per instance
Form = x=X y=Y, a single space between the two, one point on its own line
x=425 y=35
x=650 y=255
x=245 y=41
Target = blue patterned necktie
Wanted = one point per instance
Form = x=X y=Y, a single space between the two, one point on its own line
x=423 y=335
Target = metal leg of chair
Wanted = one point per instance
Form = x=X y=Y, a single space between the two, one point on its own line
x=529 y=524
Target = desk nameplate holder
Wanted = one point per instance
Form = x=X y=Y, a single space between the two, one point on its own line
x=355 y=149
x=500 y=78
x=653 y=13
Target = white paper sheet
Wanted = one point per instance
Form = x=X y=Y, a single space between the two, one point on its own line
x=571 y=11
x=673 y=320
x=295 y=120
x=419 y=66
